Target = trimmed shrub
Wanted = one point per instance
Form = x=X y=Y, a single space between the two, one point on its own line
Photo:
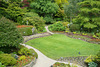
x=9 y=35
x=25 y=31
x=7 y=60
x=74 y=27
x=57 y=27
x=24 y=51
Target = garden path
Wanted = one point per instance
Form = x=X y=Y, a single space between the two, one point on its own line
x=48 y=30
x=44 y=61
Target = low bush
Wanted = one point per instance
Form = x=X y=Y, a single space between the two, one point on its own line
x=25 y=60
x=25 y=31
x=57 y=27
x=23 y=57
x=7 y=60
x=74 y=27
x=89 y=59
x=57 y=64
x=24 y=51
x=98 y=34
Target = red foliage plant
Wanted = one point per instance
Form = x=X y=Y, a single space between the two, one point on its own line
x=22 y=26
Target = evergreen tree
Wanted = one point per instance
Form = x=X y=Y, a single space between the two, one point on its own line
x=71 y=9
x=9 y=35
x=89 y=16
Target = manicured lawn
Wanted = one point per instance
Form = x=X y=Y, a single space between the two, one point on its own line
x=58 y=45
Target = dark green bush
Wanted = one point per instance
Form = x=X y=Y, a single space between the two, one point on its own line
x=7 y=60
x=8 y=49
x=9 y=34
x=25 y=31
x=57 y=27
x=74 y=27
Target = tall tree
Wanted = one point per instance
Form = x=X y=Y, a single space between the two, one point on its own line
x=45 y=8
x=89 y=16
x=71 y=8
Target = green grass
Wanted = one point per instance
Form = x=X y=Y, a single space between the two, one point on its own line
x=58 y=45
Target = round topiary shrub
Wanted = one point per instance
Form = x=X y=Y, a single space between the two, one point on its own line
x=9 y=35
x=74 y=27
x=57 y=27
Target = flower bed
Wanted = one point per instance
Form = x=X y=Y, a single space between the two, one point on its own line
x=26 y=62
x=18 y=57
x=21 y=26
x=57 y=64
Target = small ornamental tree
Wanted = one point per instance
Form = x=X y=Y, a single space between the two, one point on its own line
x=9 y=35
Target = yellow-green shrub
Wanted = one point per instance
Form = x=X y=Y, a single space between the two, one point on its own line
x=7 y=59
x=22 y=58
x=89 y=59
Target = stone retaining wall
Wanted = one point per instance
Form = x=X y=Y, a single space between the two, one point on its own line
x=27 y=38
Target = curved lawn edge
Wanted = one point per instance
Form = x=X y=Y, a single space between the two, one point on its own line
x=87 y=46
x=43 y=60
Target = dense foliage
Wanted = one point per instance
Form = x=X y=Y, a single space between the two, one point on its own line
x=71 y=9
x=45 y=8
x=33 y=19
x=58 y=26
x=7 y=60
x=25 y=31
x=89 y=16
x=9 y=35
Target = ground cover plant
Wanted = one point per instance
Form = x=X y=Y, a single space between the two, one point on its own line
x=57 y=64
x=59 y=45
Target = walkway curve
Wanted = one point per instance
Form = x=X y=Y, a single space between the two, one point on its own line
x=46 y=27
x=44 y=61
